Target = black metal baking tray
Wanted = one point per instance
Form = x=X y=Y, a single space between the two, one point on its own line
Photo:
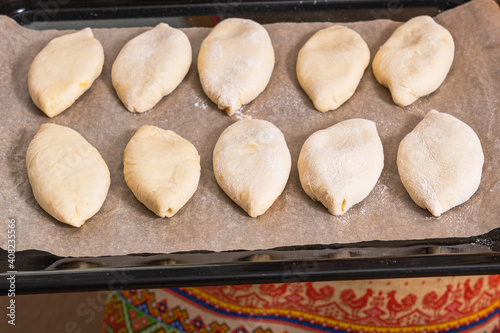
x=38 y=271
x=46 y=13
x=43 y=272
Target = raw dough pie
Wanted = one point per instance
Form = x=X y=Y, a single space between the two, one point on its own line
x=68 y=176
x=415 y=59
x=151 y=66
x=162 y=169
x=235 y=63
x=64 y=70
x=340 y=165
x=252 y=164
x=440 y=162
x=330 y=66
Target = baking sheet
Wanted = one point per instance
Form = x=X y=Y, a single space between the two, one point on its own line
x=210 y=220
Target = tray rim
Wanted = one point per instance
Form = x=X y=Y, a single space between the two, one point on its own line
x=25 y=11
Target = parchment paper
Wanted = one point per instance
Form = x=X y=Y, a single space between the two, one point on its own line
x=210 y=220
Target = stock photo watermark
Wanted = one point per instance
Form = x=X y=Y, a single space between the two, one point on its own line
x=394 y=7
x=92 y=307
x=88 y=310
x=11 y=260
x=47 y=10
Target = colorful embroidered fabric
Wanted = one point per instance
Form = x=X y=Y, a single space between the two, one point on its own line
x=419 y=305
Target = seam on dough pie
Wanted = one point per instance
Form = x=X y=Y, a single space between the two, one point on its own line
x=68 y=176
x=235 y=63
x=415 y=60
x=440 y=162
x=151 y=66
x=340 y=165
x=330 y=66
x=162 y=169
x=64 y=70
x=251 y=164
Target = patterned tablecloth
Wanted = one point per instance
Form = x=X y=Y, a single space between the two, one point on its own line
x=437 y=304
